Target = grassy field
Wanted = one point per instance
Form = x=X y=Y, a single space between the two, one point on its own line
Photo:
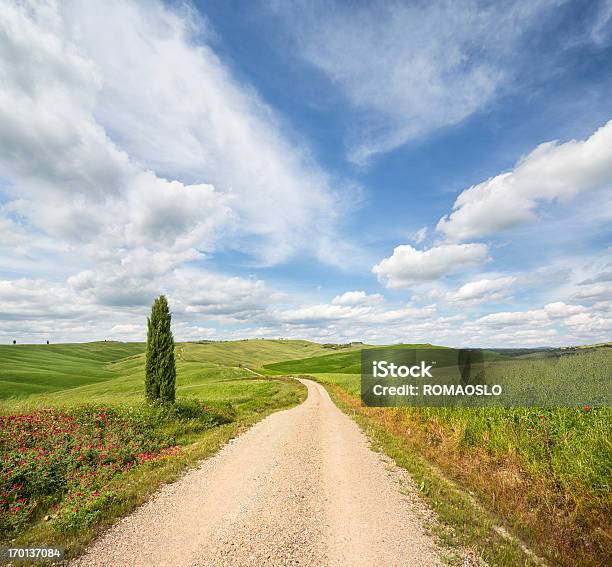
x=37 y=369
x=348 y=361
x=35 y=376
x=253 y=353
x=80 y=447
x=543 y=473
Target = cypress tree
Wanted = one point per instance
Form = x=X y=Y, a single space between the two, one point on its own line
x=160 y=369
x=166 y=365
x=151 y=384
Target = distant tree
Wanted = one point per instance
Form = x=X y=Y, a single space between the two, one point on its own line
x=14 y=342
x=160 y=368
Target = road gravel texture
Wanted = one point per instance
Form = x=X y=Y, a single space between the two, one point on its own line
x=300 y=488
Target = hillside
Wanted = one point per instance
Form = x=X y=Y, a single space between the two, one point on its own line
x=35 y=369
x=110 y=372
x=255 y=352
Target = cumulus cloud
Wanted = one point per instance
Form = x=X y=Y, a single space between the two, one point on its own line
x=227 y=300
x=579 y=320
x=130 y=153
x=357 y=298
x=353 y=310
x=86 y=127
x=26 y=298
x=201 y=124
x=408 y=266
x=557 y=323
x=482 y=290
x=512 y=318
x=591 y=323
x=114 y=304
x=559 y=309
x=67 y=177
x=595 y=292
x=115 y=180
x=551 y=172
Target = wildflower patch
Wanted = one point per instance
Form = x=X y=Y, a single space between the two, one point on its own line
x=59 y=465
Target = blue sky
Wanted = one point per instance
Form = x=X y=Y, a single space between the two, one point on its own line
x=378 y=171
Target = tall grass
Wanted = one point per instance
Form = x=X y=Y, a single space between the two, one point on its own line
x=545 y=472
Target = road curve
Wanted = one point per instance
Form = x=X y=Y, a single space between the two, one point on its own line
x=300 y=488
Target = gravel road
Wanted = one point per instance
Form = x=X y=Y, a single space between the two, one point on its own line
x=300 y=488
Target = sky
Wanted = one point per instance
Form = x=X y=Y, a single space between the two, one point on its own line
x=374 y=171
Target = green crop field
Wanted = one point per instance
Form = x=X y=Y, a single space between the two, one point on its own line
x=347 y=361
x=547 y=473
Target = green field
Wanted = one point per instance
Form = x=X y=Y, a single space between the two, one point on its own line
x=37 y=369
x=543 y=473
x=33 y=376
x=113 y=448
x=254 y=353
x=348 y=361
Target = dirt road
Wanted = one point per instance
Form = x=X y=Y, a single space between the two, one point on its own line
x=300 y=488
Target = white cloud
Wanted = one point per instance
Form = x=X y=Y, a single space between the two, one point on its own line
x=215 y=306
x=410 y=68
x=599 y=291
x=559 y=309
x=357 y=309
x=580 y=322
x=551 y=172
x=512 y=318
x=66 y=176
x=600 y=277
x=109 y=304
x=176 y=107
x=129 y=151
x=317 y=314
x=482 y=290
x=128 y=330
x=557 y=323
x=173 y=215
x=408 y=266
x=36 y=298
x=357 y=298
x=591 y=323
x=226 y=300
x=420 y=235
x=86 y=123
